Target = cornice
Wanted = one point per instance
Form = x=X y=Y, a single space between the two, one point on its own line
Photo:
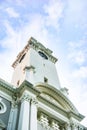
x=76 y=116
x=7 y=87
x=33 y=43
x=12 y=90
x=27 y=86
x=38 y=46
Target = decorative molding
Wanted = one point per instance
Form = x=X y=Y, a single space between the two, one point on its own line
x=36 y=46
x=29 y=98
x=78 y=127
x=34 y=101
x=62 y=99
x=29 y=67
x=3 y=107
x=7 y=87
x=15 y=104
x=64 y=91
x=26 y=97
x=5 y=96
x=55 y=125
x=51 y=99
x=48 y=123
x=44 y=121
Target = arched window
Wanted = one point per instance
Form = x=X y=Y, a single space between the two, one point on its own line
x=22 y=58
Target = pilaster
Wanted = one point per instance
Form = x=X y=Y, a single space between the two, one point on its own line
x=24 y=112
x=13 y=116
x=33 y=117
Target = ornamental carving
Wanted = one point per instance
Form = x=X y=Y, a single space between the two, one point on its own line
x=55 y=125
x=3 y=107
x=44 y=121
x=49 y=98
x=34 y=101
x=26 y=97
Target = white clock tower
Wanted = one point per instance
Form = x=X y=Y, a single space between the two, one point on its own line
x=36 y=64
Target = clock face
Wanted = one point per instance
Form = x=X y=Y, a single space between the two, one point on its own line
x=43 y=55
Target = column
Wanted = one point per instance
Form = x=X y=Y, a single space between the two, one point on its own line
x=24 y=113
x=33 y=118
x=13 y=116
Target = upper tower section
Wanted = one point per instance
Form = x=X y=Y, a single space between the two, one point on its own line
x=35 y=63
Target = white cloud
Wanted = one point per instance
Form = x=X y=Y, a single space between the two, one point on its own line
x=77 y=51
x=11 y=41
x=20 y=2
x=5 y=64
x=81 y=72
x=75 y=13
x=77 y=57
x=54 y=11
x=12 y=13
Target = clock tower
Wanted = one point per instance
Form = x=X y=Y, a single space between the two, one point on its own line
x=35 y=63
x=35 y=100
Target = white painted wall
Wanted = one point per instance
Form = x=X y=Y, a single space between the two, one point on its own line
x=43 y=68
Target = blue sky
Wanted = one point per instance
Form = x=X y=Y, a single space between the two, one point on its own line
x=60 y=25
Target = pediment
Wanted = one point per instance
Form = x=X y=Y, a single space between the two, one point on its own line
x=56 y=96
x=51 y=99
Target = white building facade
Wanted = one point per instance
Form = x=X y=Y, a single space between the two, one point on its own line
x=35 y=99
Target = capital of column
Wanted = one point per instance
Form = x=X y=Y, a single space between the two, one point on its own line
x=26 y=97
x=14 y=103
x=34 y=101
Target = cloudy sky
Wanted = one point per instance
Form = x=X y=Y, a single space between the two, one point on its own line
x=60 y=25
